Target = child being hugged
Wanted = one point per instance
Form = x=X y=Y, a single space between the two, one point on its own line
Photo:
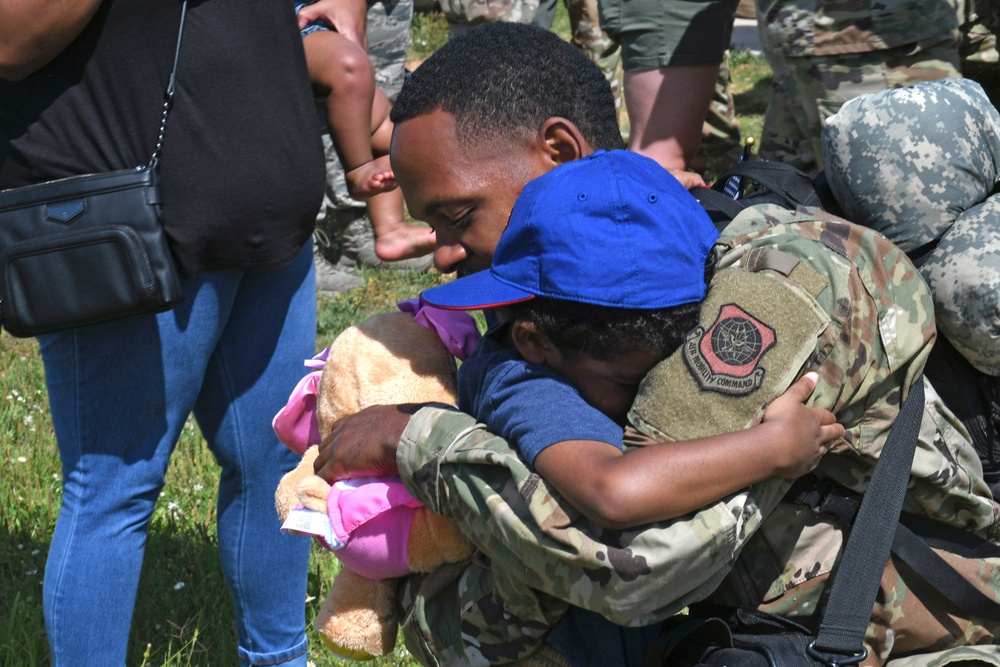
x=592 y=284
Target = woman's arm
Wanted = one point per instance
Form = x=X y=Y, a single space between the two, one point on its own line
x=664 y=481
x=33 y=33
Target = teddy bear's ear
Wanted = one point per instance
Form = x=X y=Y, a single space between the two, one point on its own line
x=387 y=359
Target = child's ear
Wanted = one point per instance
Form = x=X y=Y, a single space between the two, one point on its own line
x=533 y=346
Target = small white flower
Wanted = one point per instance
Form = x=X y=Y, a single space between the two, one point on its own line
x=179 y=585
x=198 y=487
x=172 y=506
x=31 y=573
x=22 y=459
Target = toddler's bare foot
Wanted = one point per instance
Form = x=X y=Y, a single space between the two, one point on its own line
x=395 y=241
x=371 y=178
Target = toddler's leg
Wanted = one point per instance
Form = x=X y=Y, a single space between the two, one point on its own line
x=341 y=70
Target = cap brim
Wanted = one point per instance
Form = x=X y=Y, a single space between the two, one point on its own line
x=472 y=292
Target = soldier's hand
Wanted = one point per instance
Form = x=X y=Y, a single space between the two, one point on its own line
x=364 y=444
x=805 y=433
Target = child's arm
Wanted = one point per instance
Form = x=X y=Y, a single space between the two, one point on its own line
x=667 y=480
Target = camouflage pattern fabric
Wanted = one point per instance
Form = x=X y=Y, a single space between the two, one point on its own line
x=839 y=299
x=585 y=28
x=464 y=14
x=825 y=52
x=980 y=59
x=920 y=164
x=806 y=28
x=586 y=33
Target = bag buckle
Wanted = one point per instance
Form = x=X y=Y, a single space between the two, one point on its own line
x=835 y=659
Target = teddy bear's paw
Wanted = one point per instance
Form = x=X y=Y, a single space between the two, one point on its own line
x=358 y=616
x=345 y=653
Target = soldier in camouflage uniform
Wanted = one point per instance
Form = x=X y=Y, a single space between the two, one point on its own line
x=824 y=52
x=794 y=291
x=833 y=297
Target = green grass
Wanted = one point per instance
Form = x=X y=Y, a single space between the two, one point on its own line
x=182 y=616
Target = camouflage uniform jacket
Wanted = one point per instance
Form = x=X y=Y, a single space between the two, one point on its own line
x=799 y=28
x=793 y=291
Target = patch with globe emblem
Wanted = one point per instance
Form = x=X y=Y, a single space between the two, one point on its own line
x=725 y=357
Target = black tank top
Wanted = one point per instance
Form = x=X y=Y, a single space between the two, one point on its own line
x=242 y=169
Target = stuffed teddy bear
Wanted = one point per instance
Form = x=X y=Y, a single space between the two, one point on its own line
x=373 y=525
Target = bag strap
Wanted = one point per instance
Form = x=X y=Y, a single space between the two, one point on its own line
x=840 y=640
x=783 y=179
x=168 y=101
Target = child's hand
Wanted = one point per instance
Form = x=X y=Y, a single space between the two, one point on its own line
x=802 y=434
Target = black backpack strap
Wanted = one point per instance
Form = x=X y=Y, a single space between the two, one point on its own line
x=790 y=185
x=933 y=569
x=720 y=207
x=858 y=576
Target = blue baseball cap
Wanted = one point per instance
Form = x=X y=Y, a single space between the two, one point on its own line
x=611 y=229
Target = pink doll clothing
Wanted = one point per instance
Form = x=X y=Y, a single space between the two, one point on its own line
x=372 y=516
x=295 y=424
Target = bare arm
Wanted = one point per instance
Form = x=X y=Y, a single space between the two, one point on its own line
x=33 y=33
x=664 y=481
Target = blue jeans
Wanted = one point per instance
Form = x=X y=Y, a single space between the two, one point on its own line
x=120 y=393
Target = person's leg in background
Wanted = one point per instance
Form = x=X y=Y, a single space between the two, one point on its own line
x=980 y=57
x=671 y=56
x=808 y=90
x=269 y=330
x=586 y=33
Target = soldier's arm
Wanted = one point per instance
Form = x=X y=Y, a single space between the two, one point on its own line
x=536 y=541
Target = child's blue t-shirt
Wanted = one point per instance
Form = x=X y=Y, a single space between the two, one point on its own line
x=528 y=405
x=532 y=407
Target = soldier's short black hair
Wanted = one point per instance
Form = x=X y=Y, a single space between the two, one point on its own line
x=605 y=333
x=503 y=80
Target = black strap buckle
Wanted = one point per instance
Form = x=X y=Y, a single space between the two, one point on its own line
x=835 y=659
x=823 y=497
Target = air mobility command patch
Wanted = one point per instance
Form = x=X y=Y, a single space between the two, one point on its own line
x=757 y=332
x=725 y=357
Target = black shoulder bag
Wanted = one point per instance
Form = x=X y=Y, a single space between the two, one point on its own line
x=87 y=249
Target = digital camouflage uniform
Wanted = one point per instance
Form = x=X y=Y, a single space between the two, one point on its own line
x=886 y=154
x=585 y=28
x=793 y=291
x=825 y=52
x=980 y=59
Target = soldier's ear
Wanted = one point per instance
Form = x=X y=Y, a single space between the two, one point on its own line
x=561 y=141
x=533 y=346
